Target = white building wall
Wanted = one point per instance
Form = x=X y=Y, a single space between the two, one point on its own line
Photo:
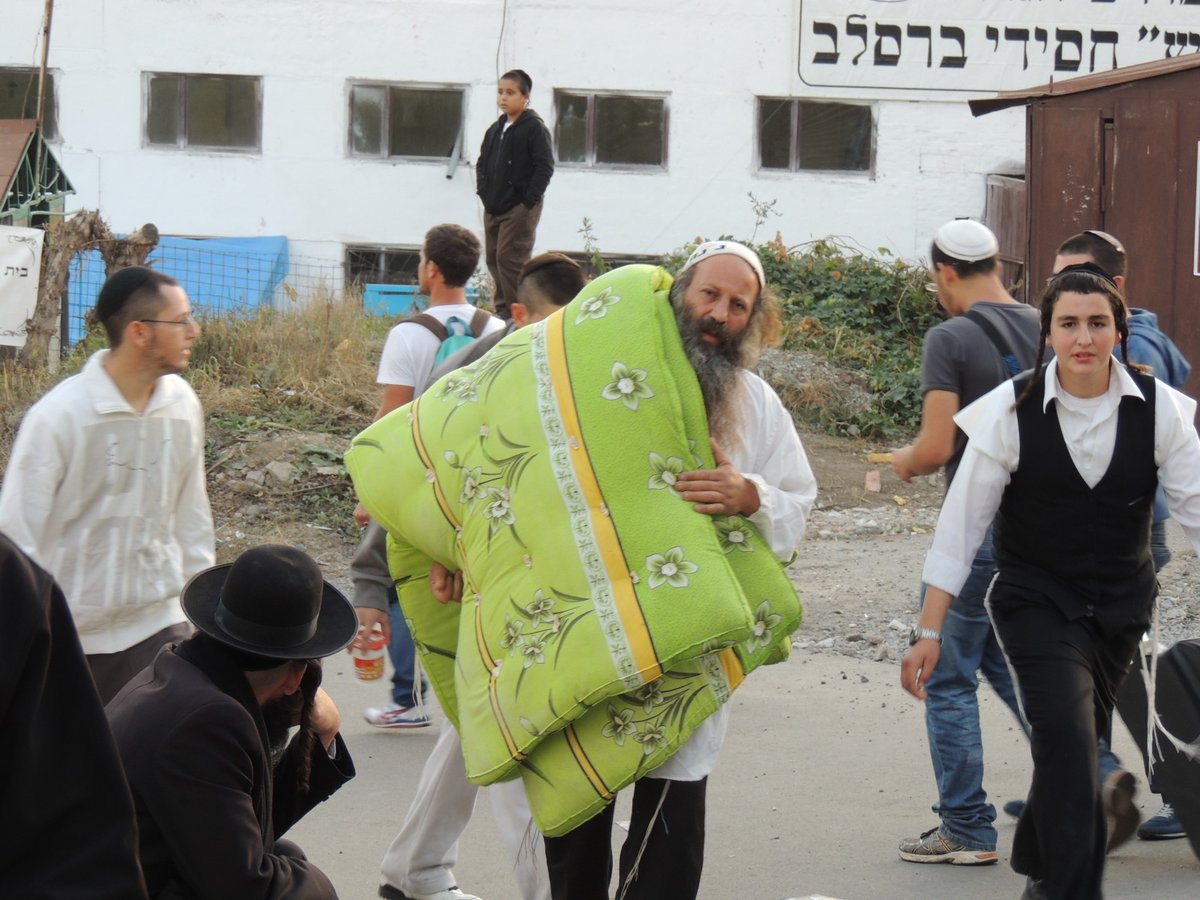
x=711 y=58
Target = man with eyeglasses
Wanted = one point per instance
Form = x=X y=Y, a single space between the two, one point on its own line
x=105 y=485
x=990 y=337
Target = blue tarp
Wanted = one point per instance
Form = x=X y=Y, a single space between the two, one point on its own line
x=221 y=275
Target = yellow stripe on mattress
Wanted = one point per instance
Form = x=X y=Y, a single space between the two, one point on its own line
x=490 y=662
x=504 y=730
x=605 y=534
x=734 y=673
x=585 y=764
x=427 y=461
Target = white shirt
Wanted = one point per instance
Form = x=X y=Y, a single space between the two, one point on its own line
x=770 y=455
x=112 y=503
x=1089 y=428
x=411 y=348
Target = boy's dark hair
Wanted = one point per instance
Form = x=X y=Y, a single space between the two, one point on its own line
x=962 y=268
x=1104 y=249
x=1085 y=278
x=455 y=250
x=554 y=277
x=129 y=295
x=521 y=77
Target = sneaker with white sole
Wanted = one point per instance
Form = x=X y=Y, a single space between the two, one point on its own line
x=934 y=846
x=394 y=893
x=396 y=716
x=1164 y=825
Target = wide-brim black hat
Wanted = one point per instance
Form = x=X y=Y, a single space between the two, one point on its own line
x=272 y=602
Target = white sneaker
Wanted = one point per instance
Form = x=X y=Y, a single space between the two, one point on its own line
x=395 y=716
x=393 y=893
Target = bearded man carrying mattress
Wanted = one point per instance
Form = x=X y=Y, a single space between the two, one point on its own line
x=617 y=673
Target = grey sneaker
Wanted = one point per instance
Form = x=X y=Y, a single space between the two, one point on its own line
x=936 y=847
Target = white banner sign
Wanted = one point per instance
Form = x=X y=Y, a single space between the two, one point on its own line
x=20 y=266
x=984 y=46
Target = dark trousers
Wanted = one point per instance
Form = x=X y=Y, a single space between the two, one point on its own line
x=1067 y=674
x=508 y=244
x=580 y=862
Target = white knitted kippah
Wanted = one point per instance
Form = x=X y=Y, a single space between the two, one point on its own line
x=966 y=240
x=717 y=248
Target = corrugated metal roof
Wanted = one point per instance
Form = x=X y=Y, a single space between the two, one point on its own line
x=1084 y=83
x=15 y=135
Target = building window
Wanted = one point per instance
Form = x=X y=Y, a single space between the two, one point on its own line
x=610 y=129
x=366 y=264
x=798 y=135
x=207 y=112
x=18 y=98
x=422 y=122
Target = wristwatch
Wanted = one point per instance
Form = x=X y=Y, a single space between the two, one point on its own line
x=924 y=634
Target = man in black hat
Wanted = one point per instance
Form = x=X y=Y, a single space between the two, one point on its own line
x=105 y=486
x=203 y=732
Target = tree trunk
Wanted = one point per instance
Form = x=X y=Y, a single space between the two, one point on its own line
x=83 y=231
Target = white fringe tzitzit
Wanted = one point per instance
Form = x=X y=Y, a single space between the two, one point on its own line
x=1155 y=729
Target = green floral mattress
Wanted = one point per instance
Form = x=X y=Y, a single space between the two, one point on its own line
x=603 y=618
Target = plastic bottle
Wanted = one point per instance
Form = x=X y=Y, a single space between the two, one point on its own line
x=368 y=662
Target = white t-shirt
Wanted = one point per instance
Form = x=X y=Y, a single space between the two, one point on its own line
x=411 y=348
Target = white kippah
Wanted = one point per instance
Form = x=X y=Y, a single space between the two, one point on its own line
x=966 y=240
x=717 y=248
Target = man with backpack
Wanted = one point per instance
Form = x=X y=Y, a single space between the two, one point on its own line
x=989 y=338
x=414 y=346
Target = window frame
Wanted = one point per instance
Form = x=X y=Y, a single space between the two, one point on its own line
x=50 y=129
x=381 y=251
x=794 y=167
x=181 y=142
x=589 y=141
x=385 y=125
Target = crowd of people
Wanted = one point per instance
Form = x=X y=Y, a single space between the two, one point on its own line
x=199 y=732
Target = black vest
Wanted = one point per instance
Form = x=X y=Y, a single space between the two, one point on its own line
x=1085 y=548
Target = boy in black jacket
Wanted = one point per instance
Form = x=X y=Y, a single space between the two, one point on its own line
x=512 y=173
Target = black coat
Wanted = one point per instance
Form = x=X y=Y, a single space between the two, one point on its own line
x=210 y=809
x=68 y=816
x=514 y=166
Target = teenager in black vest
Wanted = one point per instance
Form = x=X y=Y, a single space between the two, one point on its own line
x=1065 y=460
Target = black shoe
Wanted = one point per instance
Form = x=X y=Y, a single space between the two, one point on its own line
x=1164 y=825
x=1014 y=808
x=1120 y=815
x=1035 y=889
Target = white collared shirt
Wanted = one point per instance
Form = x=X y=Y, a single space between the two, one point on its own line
x=770 y=455
x=1089 y=428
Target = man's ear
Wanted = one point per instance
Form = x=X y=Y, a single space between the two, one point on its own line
x=295 y=674
x=1120 y=280
x=520 y=313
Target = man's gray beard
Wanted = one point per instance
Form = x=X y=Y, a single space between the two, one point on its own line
x=717 y=369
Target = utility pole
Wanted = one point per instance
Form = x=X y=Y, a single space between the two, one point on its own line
x=47 y=15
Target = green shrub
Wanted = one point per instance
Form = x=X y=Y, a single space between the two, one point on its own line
x=867 y=313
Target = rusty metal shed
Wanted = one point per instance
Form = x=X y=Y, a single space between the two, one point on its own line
x=1118 y=151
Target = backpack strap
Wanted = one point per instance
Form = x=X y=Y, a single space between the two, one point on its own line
x=1006 y=354
x=479 y=322
x=432 y=324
